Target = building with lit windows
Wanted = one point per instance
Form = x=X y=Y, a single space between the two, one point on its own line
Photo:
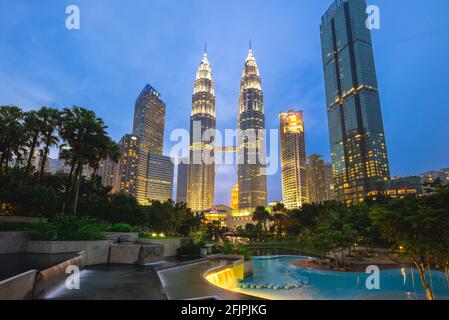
x=293 y=160
x=160 y=178
x=149 y=117
x=432 y=176
x=399 y=187
x=108 y=171
x=316 y=179
x=201 y=179
x=217 y=214
x=251 y=155
x=357 y=139
x=127 y=171
x=329 y=176
x=182 y=181
x=235 y=198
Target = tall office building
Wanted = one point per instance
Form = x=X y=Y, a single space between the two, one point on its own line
x=182 y=181
x=160 y=177
x=293 y=160
x=149 y=116
x=234 y=205
x=330 y=187
x=252 y=178
x=127 y=171
x=202 y=171
x=316 y=179
x=109 y=172
x=358 y=147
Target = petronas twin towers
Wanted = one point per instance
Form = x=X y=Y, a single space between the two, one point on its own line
x=251 y=120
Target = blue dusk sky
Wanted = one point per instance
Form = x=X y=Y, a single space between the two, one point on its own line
x=122 y=45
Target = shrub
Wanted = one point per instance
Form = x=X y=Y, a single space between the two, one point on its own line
x=228 y=248
x=190 y=249
x=121 y=227
x=44 y=232
x=15 y=226
x=69 y=228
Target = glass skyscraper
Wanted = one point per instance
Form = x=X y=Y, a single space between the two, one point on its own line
x=358 y=147
x=127 y=175
x=293 y=160
x=252 y=178
x=316 y=179
x=160 y=178
x=182 y=181
x=201 y=180
x=149 y=117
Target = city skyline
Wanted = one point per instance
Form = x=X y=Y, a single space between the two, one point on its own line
x=295 y=68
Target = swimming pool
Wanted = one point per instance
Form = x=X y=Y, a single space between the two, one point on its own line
x=277 y=271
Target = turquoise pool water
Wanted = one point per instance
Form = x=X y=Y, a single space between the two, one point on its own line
x=395 y=284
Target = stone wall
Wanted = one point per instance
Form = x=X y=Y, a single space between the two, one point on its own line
x=22 y=219
x=13 y=242
x=171 y=246
x=116 y=236
x=97 y=252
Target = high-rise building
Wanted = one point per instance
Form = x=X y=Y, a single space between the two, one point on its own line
x=160 y=177
x=403 y=186
x=293 y=160
x=432 y=176
x=182 y=181
x=329 y=176
x=127 y=172
x=149 y=117
x=358 y=147
x=251 y=155
x=316 y=179
x=108 y=170
x=234 y=205
x=202 y=169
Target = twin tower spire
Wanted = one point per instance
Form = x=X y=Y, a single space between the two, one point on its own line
x=201 y=177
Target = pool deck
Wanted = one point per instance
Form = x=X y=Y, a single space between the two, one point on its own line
x=186 y=282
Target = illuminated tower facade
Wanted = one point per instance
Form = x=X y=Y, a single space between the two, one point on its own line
x=149 y=117
x=129 y=158
x=252 y=179
x=293 y=160
x=316 y=179
x=234 y=205
x=358 y=147
x=201 y=180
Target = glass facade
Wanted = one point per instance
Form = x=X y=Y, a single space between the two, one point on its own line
x=182 y=181
x=127 y=176
x=149 y=117
x=293 y=160
x=160 y=178
x=252 y=179
x=316 y=179
x=358 y=147
x=201 y=180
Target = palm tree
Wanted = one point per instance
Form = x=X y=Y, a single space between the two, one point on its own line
x=33 y=125
x=107 y=149
x=84 y=135
x=51 y=121
x=261 y=216
x=12 y=135
x=280 y=218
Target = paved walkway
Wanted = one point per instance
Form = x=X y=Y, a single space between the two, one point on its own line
x=185 y=282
